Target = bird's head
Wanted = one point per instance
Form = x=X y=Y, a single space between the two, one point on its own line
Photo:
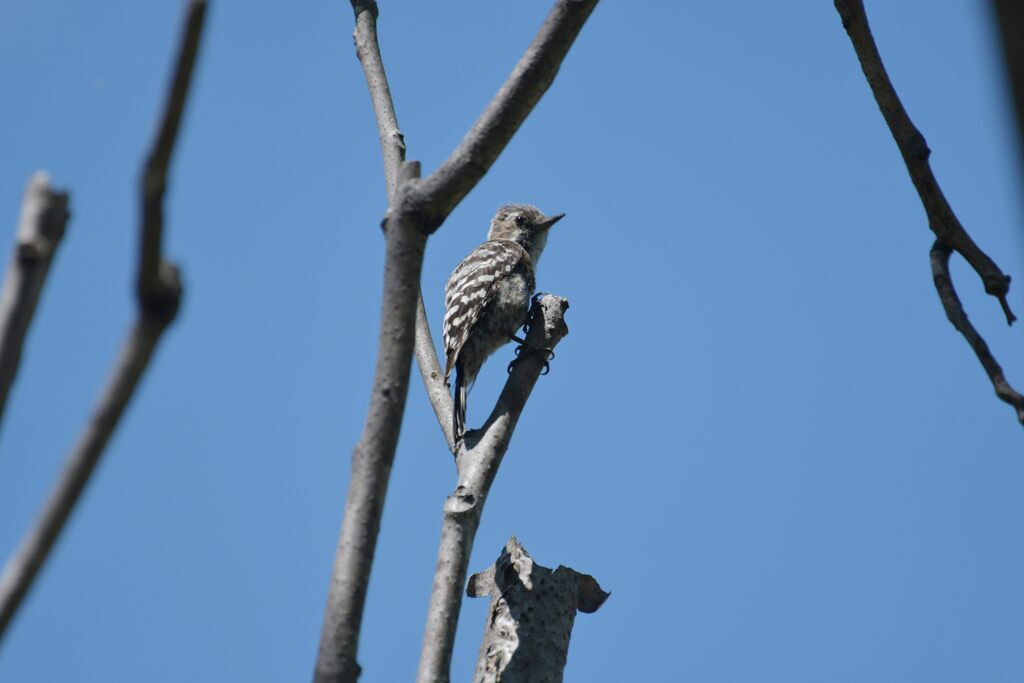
x=524 y=224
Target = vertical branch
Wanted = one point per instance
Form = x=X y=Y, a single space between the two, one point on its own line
x=44 y=215
x=392 y=142
x=159 y=293
x=479 y=456
x=392 y=147
x=374 y=455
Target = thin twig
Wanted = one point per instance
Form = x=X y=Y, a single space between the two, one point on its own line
x=417 y=210
x=958 y=317
x=948 y=230
x=44 y=215
x=433 y=377
x=479 y=456
x=159 y=294
x=392 y=142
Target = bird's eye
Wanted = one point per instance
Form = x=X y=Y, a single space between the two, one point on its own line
x=520 y=220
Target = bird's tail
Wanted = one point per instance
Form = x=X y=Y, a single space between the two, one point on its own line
x=459 y=412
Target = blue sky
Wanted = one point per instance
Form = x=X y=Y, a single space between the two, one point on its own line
x=761 y=435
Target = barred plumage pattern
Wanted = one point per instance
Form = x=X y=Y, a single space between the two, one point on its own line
x=487 y=297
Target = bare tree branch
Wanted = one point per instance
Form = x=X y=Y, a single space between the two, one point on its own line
x=392 y=147
x=392 y=143
x=528 y=81
x=159 y=294
x=417 y=209
x=526 y=636
x=44 y=215
x=941 y=219
x=955 y=312
x=433 y=377
x=374 y=454
x=478 y=458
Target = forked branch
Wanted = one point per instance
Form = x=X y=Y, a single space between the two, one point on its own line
x=416 y=209
x=950 y=234
x=159 y=293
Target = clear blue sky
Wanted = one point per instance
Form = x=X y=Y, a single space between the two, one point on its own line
x=761 y=434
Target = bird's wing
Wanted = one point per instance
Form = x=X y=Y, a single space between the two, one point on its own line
x=469 y=289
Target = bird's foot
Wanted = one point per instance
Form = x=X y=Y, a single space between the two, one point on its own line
x=524 y=348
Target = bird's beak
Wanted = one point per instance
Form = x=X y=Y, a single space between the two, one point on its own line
x=549 y=221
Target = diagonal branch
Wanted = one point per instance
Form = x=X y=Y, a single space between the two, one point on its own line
x=417 y=209
x=529 y=80
x=44 y=215
x=958 y=317
x=433 y=377
x=159 y=293
x=941 y=219
x=478 y=459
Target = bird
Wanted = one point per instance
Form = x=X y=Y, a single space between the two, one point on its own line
x=487 y=297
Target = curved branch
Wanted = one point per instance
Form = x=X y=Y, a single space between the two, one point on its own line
x=958 y=317
x=392 y=142
x=44 y=215
x=159 y=293
x=941 y=219
x=950 y=234
x=479 y=456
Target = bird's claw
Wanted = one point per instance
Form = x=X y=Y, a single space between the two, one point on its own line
x=549 y=356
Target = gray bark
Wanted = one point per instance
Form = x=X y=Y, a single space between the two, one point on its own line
x=532 y=611
x=158 y=294
x=416 y=209
x=478 y=458
x=44 y=215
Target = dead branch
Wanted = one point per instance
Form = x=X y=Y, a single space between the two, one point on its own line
x=948 y=230
x=44 y=215
x=526 y=635
x=159 y=293
x=479 y=456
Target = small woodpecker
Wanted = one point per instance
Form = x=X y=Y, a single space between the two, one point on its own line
x=487 y=297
